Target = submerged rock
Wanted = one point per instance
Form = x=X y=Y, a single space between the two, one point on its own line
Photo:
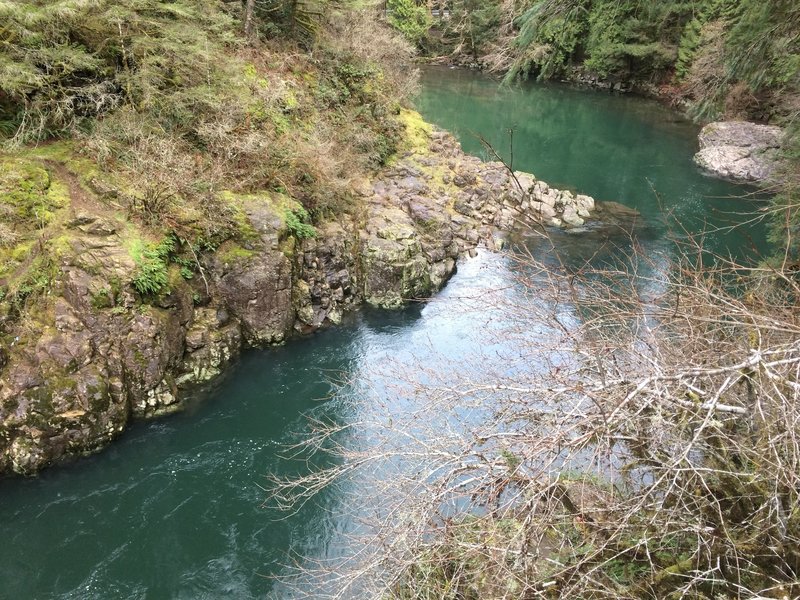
x=739 y=150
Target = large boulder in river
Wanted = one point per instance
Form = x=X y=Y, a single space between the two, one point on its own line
x=739 y=150
x=406 y=253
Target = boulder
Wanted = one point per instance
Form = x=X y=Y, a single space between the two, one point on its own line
x=570 y=216
x=584 y=205
x=739 y=150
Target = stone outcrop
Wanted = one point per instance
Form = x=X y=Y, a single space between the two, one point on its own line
x=96 y=356
x=739 y=150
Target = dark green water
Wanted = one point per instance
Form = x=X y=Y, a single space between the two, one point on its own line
x=174 y=509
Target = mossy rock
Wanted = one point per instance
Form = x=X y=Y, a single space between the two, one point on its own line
x=417 y=135
x=234 y=254
x=25 y=193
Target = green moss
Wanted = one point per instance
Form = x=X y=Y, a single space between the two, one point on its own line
x=250 y=72
x=103 y=298
x=289 y=247
x=60 y=245
x=99 y=398
x=32 y=282
x=135 y=245
x=20 y=252
x=245 y=231
x=62 y=151
x=140 y=358
x=417 y=132
x=233 y=253
x=290 y=101
x=24 y=188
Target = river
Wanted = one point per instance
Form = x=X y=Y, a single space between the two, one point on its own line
x=174 y=509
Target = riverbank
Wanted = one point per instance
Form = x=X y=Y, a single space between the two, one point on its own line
x=180 y=498
x=749 y=153
x=94 y=356
x=713 y=61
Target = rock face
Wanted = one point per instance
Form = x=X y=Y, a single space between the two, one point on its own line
x=739 y=150
x=97 y=356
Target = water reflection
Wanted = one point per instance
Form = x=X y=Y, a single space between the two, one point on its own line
x=620 y=148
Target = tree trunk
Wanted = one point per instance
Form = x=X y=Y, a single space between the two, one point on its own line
x=250 y=8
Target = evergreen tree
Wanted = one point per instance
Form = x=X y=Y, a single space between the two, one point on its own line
x=409 y=18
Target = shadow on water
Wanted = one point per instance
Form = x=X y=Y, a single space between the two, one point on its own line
x=391 y=321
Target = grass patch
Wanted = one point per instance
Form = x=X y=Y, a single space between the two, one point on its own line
x=297 y=223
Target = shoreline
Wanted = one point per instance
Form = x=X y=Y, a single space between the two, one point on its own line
x=97 y=358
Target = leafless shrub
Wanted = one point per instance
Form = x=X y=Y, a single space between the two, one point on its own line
x=8 y=237
x=500 y=54
x=643 y=441
x=362 y=34
x=740 y=101
x=706 y=82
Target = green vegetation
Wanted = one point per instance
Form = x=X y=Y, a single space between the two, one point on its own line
x=722 y=59
x=161 y=113
x=725 y=55
x=409 y=18
x=179 y=112
x=737 y=57
x=474 y=24
x=297 y=223
x=152 y=262
x=168 y=96
x=30 y=283
x=31 y=200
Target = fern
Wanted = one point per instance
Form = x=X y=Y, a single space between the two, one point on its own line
x=151 y=276
x=152 y=264
x=295 y=220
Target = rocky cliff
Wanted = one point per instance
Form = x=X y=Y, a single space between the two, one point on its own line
x=92 y=354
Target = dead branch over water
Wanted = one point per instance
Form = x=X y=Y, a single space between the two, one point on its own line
x=641 y=441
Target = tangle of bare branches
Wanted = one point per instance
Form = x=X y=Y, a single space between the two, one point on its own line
x=644 y=442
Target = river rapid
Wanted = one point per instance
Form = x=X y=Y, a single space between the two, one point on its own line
x=175 y=508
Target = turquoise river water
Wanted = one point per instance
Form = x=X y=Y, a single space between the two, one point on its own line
x=175 y=508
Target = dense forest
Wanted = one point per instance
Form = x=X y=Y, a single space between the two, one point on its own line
x=725 y=56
